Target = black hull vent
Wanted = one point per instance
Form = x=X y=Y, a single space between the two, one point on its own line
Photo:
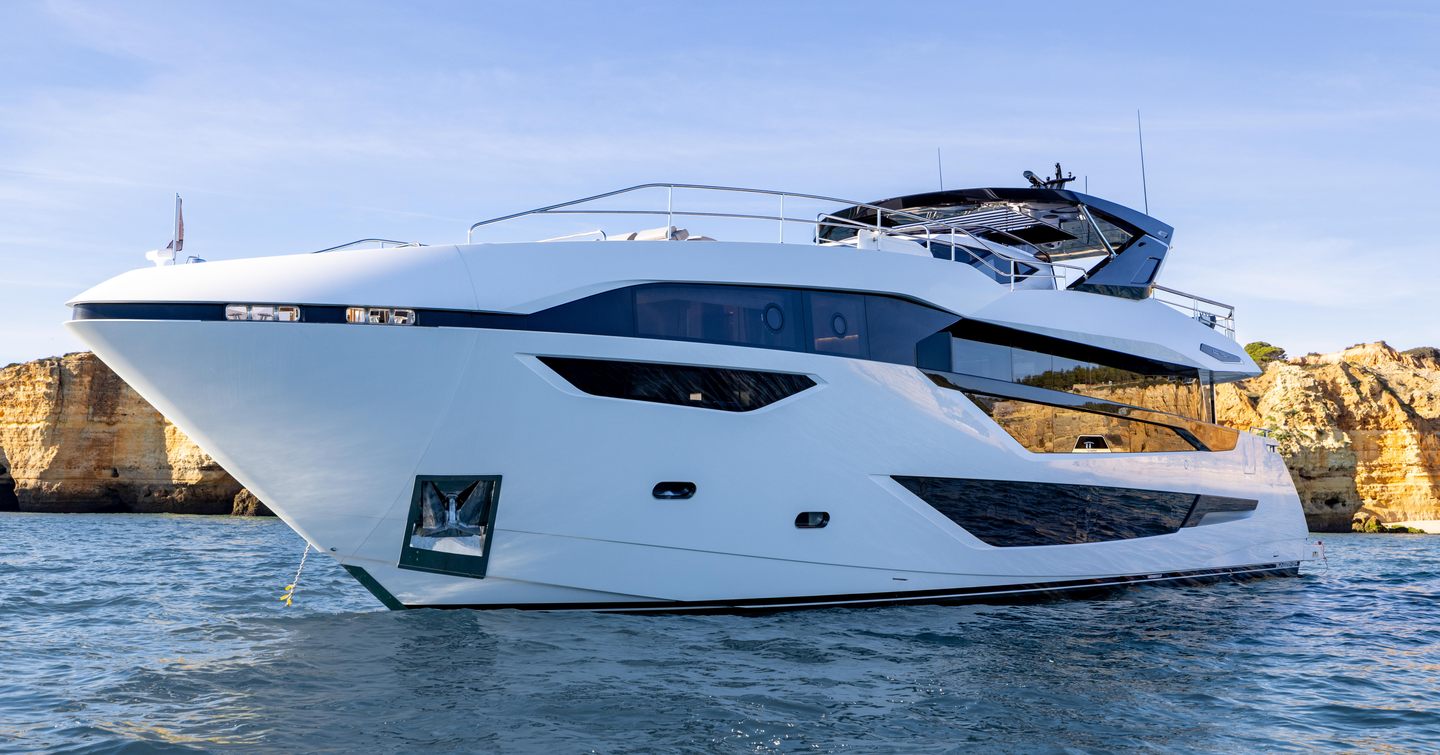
x=682 y=385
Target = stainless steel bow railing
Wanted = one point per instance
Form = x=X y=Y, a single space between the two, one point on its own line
x=1218 y=315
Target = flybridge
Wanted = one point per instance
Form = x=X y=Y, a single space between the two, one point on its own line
x=1051 y=224
x=1023 y=238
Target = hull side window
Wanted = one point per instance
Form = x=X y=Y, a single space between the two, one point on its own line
x=743 y=316
x=1053 y=430
x=1007 y=513
x=837 y=324
x=681 y=385
x=1184 y=393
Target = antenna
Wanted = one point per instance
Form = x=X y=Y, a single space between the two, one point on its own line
x=166 y=256
x=1058 y=182
x=940 y=166
x=177 y=242
x=1144 y=185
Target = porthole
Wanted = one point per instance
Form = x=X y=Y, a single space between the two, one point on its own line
x=812 y=520
x=673 y=491
x=774 y=317
x=838 y=324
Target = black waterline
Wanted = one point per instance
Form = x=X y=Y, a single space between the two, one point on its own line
x=983 y=594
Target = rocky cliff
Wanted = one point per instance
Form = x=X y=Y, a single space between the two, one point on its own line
x=1360 y=430
x=74 y=437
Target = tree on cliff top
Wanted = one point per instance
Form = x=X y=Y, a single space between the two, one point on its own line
x=1264 y=353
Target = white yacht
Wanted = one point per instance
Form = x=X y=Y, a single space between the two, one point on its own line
x=770 y=400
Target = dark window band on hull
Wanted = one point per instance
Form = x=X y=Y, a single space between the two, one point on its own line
x=1007 y=513
x=881 y=328
x=149 y=311
x=859 y=326
x=724 y=389
x=877 y=327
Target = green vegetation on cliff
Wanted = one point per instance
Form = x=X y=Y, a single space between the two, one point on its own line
x=1263 y=352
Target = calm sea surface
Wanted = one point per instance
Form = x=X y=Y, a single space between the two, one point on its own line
x=145 y=633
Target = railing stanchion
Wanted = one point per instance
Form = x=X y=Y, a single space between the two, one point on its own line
x=782 y=218
x=669 y=208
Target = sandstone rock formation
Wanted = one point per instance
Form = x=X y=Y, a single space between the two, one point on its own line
x=247 y=504
x=1360 y=430
x=74 y=437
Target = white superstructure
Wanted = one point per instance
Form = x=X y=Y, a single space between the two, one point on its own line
x=924 y=398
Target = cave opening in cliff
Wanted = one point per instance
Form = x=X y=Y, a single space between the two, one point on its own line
x=8 y=500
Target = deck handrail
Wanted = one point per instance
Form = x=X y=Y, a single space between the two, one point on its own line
x=912 y=225
x=1223 y=321
x=381 y=242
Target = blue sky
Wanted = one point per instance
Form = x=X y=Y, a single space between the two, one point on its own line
x=1293 y=145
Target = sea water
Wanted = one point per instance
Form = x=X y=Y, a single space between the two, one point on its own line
x=166 y=633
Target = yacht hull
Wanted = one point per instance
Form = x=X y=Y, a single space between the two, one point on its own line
x=335 y=426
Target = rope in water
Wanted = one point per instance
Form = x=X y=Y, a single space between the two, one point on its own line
x=289 y=595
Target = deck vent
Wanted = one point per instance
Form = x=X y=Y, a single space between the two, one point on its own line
x=1220 y=354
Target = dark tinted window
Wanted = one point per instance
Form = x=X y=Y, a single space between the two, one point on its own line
x=897 y=326
x=985 y=360
x=837 y=324
x=682 y=385
x=1173 y=393
x=1009 y=513
x=994 y=266
x=1045 y=429
x=721 y=314
x=609 y=313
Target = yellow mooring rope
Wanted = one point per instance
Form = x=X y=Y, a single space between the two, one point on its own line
x=289 y=595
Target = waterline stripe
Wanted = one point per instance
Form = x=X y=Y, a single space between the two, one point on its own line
x=1040 y=590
